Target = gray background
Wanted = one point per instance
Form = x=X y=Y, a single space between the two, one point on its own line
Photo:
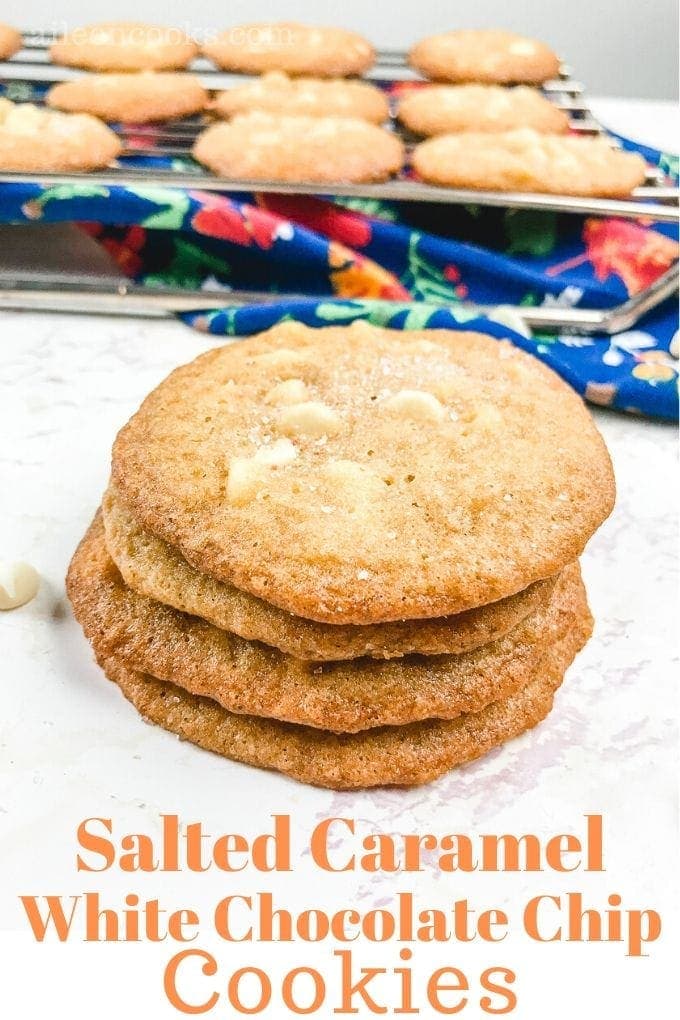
x=617 y=47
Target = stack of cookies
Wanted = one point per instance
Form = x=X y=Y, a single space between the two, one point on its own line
x=348 y=554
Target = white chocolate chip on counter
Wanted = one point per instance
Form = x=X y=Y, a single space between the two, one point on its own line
x=311 y=418
x=292 y=391
x=19 y=583
x=415 y=404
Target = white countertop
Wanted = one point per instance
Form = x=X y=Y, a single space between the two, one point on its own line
x=71 y=747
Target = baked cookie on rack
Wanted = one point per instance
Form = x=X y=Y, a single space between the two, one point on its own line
x=440 y=109
x=318 y=150
x=291 y=47
x=10 y=41
x=527 y=161
x=34 y=140
x=357 y=475
x=484 y=55
x=276 y=92
x=124 y=46
x=136 y=97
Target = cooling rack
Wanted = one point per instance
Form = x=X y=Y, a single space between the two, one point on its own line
x=31 y=69
x=82 y=295
x=657 y=198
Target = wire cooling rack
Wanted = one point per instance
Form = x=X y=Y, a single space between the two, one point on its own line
x=173 y=141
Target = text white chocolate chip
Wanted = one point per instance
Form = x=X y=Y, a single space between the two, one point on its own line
x=19 y=583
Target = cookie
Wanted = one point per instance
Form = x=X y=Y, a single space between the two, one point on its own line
x=250 y=678
x=388 y=756
x=124 y=46
x=441 y=109
x=324 y=150
x=153 y=568
x=482 y=55
x=10 y=42
x=35 y=140
x=276 y=93
x=363 y=475
x=136 y=98
x=525 y=160
x=291 y=47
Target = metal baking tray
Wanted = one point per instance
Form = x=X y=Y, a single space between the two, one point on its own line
x=657 y=199
x=81 y=294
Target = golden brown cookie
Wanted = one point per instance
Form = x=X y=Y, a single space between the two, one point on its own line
x=524 y=160
x=10 y=42
x=253 y=679
x=324 y=150
x=33 y=140
x=276 y=93
x=443 y=109
x=136 y=98
x=291 y=47
x=153 y=568
x=362 y=475
x=124 y=46
x=388 y=756
x=483 y=55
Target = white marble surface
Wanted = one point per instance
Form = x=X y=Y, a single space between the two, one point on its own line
x=70 y=747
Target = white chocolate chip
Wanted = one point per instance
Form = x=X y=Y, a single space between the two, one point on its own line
x=522 y=48
x=249 y=475
x=19 y=583
x=415 y=404
x=312 y=419
x=278 y=454
x=350 y=485
x=282 y=360
x=246 y=478
x=292 y=391
x=488 y=417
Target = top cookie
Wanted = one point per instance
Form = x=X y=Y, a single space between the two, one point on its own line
x=276 y=93
x=440 y=109
x=291 y=47
x=33 y=139
x=124 y=46
x=359 y=475
x=483 y=55
x=10 y=42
